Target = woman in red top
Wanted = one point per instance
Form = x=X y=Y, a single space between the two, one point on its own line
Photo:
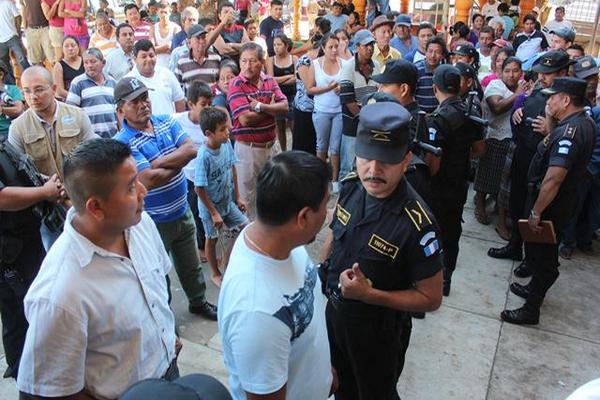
x=75 y=25
x=54 y=14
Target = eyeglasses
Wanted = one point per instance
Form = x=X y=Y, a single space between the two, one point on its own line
x=36 y=91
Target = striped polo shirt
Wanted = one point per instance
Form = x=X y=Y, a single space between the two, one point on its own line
x=266 y=92
x=97 y=101
x=166 y=203
x=188 y=69
x=424 y=93
x=142 y=31
x=103 y=44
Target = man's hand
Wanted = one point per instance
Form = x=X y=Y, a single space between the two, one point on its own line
x=335 y=382
x=178 y=345
x=354 y=284
x=217 y=220
x=240 y=204
x=334 y=85
x=534 y=222
x=53 y=189
x=522 y=87
x=253 y=102
x=541 y=125
x=517 y=116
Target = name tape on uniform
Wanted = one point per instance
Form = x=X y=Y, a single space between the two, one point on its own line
x=384 y=247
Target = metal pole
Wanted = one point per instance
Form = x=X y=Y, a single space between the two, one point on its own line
x=595 y=31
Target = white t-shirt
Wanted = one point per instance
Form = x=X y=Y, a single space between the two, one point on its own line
x=195 y=133
x=272 y=325
x=499 y=124
x=589 y=391
x=490 y=10
x=485 y=65
x=166 y=89
x=8 y=12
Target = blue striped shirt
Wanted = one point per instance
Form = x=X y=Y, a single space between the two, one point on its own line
x=424 y=93
x=97 y=101
x=168 y=202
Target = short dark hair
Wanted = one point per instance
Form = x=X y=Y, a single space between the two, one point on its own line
x=560 y=8
x=198 y=89
x=251 y=46
x=276 y=3
x=223 y=5
x=289 y=182
x=130 y=6
x=142 y=45
x=123 y=26
x=426 y=25
x=162 y=5
x=462 y=29
x=211 y=118
x=578 y=47
x=530 y=17
x=578 y=101
x=475 y=16
x=510 y=60
x=89 y=170
x=324 y=25
x=487 y=29
x=503 y=7
x=249 y=22
x=439 y=41
x=206 y=21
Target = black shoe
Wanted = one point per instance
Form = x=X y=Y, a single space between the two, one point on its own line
x=418 y=315
x=523 y=270
x=521 y=316
x=506 y=252
x=519 y=290
x=207 y=310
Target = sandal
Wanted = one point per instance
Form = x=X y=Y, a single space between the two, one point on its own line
x=481 y=217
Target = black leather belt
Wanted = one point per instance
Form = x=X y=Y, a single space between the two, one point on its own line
x=358 y=308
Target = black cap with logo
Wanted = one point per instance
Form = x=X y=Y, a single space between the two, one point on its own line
x=447 y=78
x=383 y=132
x=569 y=85
x=466 y=70
x=398 y=71
x=585 y=67
x=129 y=88
x=465 y=50
x=552 y=61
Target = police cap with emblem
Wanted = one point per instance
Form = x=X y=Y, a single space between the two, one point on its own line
x=552 y=61
x=447 y=79
x=398 y=71
x=585 y=67
x=383 y=133
x=573 y=86
x=129 y=88
x=465 y=50
x=466 y=70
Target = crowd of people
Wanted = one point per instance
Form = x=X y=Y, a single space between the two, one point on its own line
x=128 y=148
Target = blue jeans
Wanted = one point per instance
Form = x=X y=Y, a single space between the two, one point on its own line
x=347 y=155
x=15 y=45
x=48 y=237
x=329 y=132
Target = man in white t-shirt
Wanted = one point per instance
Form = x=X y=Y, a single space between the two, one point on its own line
x=165 y=93
x=271 y=307
x=490 y=9
x=557 y=23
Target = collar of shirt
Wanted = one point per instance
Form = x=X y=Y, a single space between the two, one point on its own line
x=131 y=130
x=392 y=53
x=261 y=79
x=42 y=121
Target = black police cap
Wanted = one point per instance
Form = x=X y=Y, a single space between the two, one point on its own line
x=552 y=61
x=466 y=70
x=447 y=78
x=569 y=85
x=398 y=71
x=383 y=132
x=465 y=50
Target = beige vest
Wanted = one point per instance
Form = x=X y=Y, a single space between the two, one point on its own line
x=67 y=131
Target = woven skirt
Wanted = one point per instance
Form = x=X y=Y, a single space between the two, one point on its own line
x=491 y=165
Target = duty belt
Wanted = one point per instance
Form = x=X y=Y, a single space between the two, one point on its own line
x=358 y=308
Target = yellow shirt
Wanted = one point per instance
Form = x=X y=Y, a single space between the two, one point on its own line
x=393 y=54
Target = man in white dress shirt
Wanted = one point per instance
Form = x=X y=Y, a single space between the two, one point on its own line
x=98 y=312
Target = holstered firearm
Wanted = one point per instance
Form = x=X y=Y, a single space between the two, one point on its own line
x=422 y=132
x=469 y=113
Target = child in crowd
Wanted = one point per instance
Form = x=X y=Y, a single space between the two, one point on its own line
x=216 y=185
x=227 y=71
x=199 y=97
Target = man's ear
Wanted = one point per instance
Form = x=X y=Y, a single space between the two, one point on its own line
x=95 y=207
x=302 y=217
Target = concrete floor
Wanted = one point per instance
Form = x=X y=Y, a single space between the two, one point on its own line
x=463 y=351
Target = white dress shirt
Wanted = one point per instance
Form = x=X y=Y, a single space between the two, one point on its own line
x=98 y=320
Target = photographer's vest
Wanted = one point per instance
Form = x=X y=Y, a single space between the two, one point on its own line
x=48 y=154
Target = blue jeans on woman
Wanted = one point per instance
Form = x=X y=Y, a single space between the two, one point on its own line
x=329 y=132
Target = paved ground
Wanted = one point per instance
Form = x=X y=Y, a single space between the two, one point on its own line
x=463 y=350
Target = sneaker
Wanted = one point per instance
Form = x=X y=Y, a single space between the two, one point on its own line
x=335 y=187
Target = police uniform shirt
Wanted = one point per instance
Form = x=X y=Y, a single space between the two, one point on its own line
x=523 y=134
x=569 y=146
x=394 y=240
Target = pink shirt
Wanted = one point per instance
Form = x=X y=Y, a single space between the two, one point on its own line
x=75 y=26
x=486 y=81
x=142 y=31
x=56 y=21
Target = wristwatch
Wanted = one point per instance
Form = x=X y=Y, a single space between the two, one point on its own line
x=257 y=107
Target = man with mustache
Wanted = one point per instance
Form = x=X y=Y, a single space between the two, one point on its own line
x=382 y=259
x=161 y=149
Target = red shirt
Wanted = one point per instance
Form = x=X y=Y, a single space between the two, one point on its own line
x=56 y=20
x=266 y=92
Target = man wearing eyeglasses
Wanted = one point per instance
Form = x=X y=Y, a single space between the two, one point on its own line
x=48 y=130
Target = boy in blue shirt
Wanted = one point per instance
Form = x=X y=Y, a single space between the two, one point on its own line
x=216 y=185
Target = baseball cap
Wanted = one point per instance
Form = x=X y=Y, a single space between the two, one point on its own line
x=129 y=88
x=564 y=32
x=569 y=85
x=466 y=70
x=502 y=43
x=403 y=19
x=383 y=132
x=585 y=67
x=189 y=387
x=196 y=30
x=465 y=50
x=381 y=20
x=363 y=37
x=398 y=71
x=552 y=61
x=447 y=78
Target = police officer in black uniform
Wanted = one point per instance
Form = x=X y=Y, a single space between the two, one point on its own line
x=554 y=173
x=382 y=259
x=21 y=249
x=451 y=129
x=528 y=123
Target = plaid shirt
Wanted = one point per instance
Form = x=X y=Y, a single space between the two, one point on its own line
x=266 y=92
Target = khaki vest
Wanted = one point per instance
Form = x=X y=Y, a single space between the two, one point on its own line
x=67 y=128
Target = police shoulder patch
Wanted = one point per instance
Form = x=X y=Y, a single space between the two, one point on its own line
x=417 y=215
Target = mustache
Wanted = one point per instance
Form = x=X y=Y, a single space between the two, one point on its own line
x=374 y=179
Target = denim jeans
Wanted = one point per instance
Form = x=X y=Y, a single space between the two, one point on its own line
x=329 y=131
x=15 y=45
x=347 y=155
x=48 y=237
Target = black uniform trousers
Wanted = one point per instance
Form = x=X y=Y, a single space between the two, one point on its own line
x=367 y=350
x=12 y=292
x=448 y=210
x=518 y=193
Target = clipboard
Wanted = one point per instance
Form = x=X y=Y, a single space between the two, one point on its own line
x=546 y=236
